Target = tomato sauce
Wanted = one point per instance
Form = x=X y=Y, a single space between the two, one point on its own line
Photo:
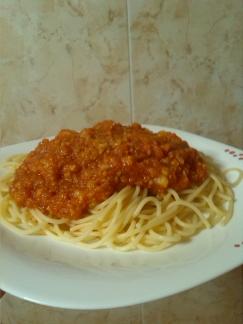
x=66 y=176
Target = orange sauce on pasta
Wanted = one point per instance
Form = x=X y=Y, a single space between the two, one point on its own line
x=66 y=176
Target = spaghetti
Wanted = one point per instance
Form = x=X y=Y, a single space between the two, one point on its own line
x=130 y=218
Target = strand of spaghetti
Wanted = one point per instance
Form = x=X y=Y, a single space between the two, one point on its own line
x=129 y=212
x=213 y=190
x=50 y=228
x=67 y=236
x=39 y=215
x=78 y=224
x=13 y=210
x=32 y=218
x=126 y=234
x=146 y=200
x=230 y=206
x=240 y=176
x=168 y=228
x=164 y=238
x=185 y=231
x=80 y=235
x=192 y=207
x=52 y=234
x=137 y=238
x=103 y=204
x=145 y=216
x=115 y=221
x=104 y=215
x=144 y=193
x=140 y=223
x=165 y=216
x=29 y=231
x=219 y=183
x=111 y=216
x=115 y=196
x=155 y=248
x=188 y=233
x=3 y=206
x=184 y=224
x=136 y=192
x=154 y=241
x=57 y=229
x=174 y=194
x=149 y=241
x=79 y=238
x=124 y=247
x=224 y=197
x=109 y=231
x=89 y=227
x=196 y=191
x=166 y=200
x=213 y=207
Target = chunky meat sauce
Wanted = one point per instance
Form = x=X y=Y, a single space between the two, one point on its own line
x=75 y=171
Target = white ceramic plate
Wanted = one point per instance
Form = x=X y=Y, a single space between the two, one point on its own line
x=58 y=274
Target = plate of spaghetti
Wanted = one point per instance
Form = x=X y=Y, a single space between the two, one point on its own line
x=116 y=215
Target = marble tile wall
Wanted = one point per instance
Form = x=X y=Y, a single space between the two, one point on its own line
x=188 y=65
x=65 y=63
x=62 y=64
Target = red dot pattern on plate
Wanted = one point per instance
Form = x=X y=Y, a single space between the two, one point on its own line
x=234 y=154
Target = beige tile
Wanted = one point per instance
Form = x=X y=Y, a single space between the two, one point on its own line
x=218 y=301
x=17 y=311
x=187 y=65
x=62 y=64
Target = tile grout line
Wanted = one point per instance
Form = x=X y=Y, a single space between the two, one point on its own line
x=131 y=94
x=142 y=313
